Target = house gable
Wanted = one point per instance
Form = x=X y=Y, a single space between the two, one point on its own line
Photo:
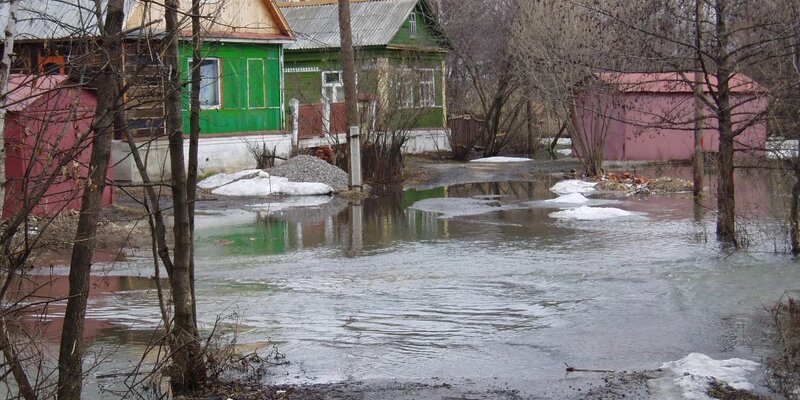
x=426 y=35
x=229 y=19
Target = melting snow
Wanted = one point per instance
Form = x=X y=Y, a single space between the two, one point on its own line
x=265 y=186
x=573 y=186
x=304 y=201
x=218 y=180
x=689 y=377
x=572 y=198
x=586 y=213
x=501 y=160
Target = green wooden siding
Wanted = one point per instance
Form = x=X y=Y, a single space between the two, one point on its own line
x=250 y=81
x=425 y=38
x=303 y=77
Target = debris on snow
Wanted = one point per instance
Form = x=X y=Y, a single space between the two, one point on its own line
x=692 y=376
x=312 y=169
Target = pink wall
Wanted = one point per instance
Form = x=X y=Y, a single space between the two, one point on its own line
x=660 y=126
x=40 y=135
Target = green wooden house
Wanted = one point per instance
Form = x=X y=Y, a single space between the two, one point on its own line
x=400 y=57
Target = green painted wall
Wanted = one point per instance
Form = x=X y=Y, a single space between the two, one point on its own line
x=250 y=88
x=426 y=34
x=306 y=86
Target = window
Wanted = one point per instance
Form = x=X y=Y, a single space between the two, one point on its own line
x=333 y=86
x=209 y=83
x=412 y=25
x=427 y=88
x=405 y=88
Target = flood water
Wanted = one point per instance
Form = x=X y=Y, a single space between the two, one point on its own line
x=489 y=289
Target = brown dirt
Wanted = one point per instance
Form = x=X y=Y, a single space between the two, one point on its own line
x=669 y=185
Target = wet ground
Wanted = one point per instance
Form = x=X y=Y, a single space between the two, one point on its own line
x=468 y=290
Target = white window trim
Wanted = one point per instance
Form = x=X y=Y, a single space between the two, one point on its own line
x=325 y=84
x=427 y=103
x=219 y=82
x=406 y=81
x=264 y=70
x=412 y=25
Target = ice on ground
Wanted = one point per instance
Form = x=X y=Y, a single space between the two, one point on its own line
x=265 y=186
x=458 y=206
x=564 y=152
x=501 y=160
x=292 y=202
x=223 y=179
x=586 y=213
x=573 y=186
x=572 y=198
x=690 y=377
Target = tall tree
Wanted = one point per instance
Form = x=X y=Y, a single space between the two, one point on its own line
x=70 y=361
x=5 y=70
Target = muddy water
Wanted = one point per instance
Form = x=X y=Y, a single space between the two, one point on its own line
x=496 y=291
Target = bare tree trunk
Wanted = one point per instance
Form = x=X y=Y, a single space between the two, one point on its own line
x=194 y=134
x=350 y=93
x=531 y=127
x=698 y=164
x=189 y=372
x=70 y=371
x=794 y=213
x=5 y=70
x=726 y=204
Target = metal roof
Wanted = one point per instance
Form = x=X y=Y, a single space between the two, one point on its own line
x=374 y=23
x=55 y=19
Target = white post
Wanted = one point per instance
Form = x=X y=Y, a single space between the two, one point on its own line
x=355 y=159
x=326 y=116
x=294 y=104
x=357 y=226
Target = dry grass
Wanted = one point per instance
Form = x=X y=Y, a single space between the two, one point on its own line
x=669 y=185
x=783 y=367
x=613 y=186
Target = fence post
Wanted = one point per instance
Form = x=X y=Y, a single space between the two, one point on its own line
x=294 y=104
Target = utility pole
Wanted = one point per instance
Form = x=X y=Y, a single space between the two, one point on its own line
x=350 y=94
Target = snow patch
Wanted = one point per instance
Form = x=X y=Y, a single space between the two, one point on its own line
x=690 y=377
x=572 y=198
x=585 y=213
x=501 y=160
x=265 y=186
x=223 y=179
x=564 y=152
x=573 y=186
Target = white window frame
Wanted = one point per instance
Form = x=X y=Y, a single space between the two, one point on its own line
x=264 y=78
x=405 y=88
x=427 y=87
x=412 y=25
x=332 y=85
x=218 y=82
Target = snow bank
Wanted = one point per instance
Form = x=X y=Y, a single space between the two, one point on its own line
x=572 y=198
x=573 y=186
x=218 y=180
x=265 y=186
x=689 y=377
x=564 y=152
x=501 y=160
x=586 y=213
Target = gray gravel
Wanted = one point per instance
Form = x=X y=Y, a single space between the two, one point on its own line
x=311 y=169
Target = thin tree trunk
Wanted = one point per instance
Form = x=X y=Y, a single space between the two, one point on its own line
x=697 y=165
x=531 y=119
x=11 y=357
x=189 y=372
x=194 y=135
x=726 y=204
x=70 y=371
x=5 y=70
x=794 y=224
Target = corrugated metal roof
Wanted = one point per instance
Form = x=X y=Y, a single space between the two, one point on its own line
x=55 y=19
x=374 y=23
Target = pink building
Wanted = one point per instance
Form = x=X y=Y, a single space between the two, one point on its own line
x=651 y=116
x=48 y=118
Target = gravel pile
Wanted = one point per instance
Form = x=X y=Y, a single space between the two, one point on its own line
x=311 y=169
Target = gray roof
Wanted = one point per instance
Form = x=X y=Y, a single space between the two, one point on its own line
x=374 y=23
x=55 y=19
